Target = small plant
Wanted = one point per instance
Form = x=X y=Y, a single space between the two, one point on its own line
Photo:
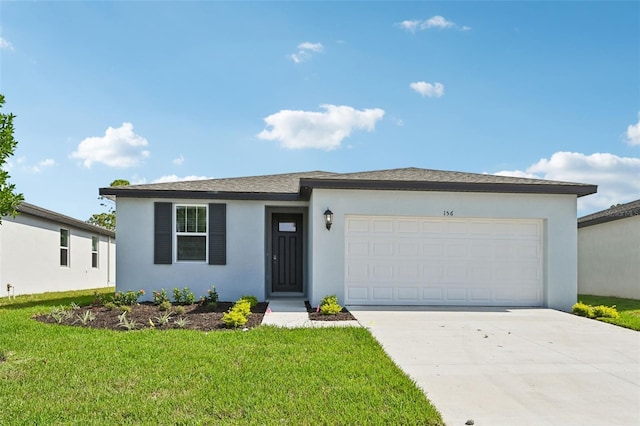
x=164 y=318
x=180 y=310
x=605 y=312
x=234 y=318
x=128 y=298
x=184 y=296
x=330 y=306
x=164 y=306
x=212 y=298
x=124 y=308
x=253 y=301
x=243 y=306
x=74 y=306
x=60 y=314
x=160 y=297
x=86 y=317
x=110 y=306
x=182 y=322
x=98 y=299
x=583 y=310
x=124 y=322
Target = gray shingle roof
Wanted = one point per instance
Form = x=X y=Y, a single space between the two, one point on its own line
x=296 y=186
x=39 y=212
x=621 y=211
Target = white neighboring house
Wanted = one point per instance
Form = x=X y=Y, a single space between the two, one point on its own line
x=387 y=237
x=43 y=251
x=609 y=252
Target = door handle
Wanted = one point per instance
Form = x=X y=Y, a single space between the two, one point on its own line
x=275 y=258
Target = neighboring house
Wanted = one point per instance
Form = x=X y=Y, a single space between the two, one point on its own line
x=42 y=251
x=398 y=237
x=609 y=252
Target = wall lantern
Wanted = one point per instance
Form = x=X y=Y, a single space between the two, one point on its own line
x=328 y=218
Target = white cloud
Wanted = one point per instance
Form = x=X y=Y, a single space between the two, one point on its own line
x=323 y=130
x=119 y=147
x=305 y=51
x=178 y=161
x=36 y=168
x=633 y=133
x=174 y=178
x=618 y=178
x=437 y=22
x=434 y=90
x=5 y=44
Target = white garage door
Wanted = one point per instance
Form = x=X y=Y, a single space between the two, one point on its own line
x=443 y=261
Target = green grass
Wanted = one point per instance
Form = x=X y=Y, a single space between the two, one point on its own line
x=51 y=374
x=629 y=309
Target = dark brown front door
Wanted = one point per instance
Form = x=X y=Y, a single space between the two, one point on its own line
x=286 y=252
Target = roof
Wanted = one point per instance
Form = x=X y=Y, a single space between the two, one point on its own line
x=621 y=211
x=298 y=186
x=39 y=212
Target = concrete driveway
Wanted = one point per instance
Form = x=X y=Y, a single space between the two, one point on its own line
x=513 y=366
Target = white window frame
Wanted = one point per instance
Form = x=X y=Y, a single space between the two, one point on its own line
x=67 y=248
x=177 y=234
x=96 y=251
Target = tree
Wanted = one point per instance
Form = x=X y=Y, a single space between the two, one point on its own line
x=107 y=219
x=9 y=199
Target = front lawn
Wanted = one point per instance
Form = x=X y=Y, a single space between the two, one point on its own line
x=53 y=374
x=629 y=309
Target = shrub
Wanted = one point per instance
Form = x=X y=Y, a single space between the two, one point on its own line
x=583 y=310
x=329 y=305
x=253 y=301
x=234 y=318
x=184 y=296
x=243 y=306
x=212 y=295
x=180 y=310
x=159 y=297
x=330 y=308
x=164 y=306
x=109 y=306
x=605 y=312
x=128 y=298
x=98 y=300
x=329 y=300
x=124 y=308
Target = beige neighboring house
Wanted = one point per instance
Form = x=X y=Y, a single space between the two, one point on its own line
x=609 y=252
x=43 y=251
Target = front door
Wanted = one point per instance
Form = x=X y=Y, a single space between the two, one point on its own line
x=286 y=252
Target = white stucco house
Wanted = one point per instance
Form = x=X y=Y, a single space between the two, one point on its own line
x=395 y=237
x=43 y=251
x=609 y=252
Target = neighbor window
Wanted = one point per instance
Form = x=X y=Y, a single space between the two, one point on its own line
x=191 y=233
x=94 y=252
x=64 y=247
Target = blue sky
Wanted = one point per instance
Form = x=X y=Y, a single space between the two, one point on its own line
x=157 y=91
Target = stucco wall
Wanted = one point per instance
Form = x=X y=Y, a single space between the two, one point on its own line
x=244 y=273
x=609 y=258
x=557 y=211
x=30 y=257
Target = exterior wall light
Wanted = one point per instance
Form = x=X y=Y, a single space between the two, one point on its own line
x=328 y=218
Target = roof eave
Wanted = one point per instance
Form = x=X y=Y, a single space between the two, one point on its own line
x=203 y=195
x=48 y=215
x=580 y=190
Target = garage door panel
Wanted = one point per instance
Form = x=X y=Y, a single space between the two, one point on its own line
x=404 y=260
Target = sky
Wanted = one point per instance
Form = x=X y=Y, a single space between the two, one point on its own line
x=161 y=91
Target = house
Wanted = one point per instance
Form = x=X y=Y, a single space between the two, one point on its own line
x=609 y=252
x=42 y=251
x=390 y=237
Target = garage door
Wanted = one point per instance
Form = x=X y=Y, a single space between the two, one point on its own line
x=443 y=261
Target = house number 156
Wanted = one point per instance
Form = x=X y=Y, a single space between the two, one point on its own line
x=447 y=213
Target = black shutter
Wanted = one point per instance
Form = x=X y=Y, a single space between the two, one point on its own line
x=163 y=230
x=217 y=234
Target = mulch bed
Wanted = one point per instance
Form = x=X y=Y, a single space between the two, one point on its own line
x=314 y=315
x=199 y=317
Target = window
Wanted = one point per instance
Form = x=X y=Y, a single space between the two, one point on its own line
x=64 y=247
x=94 y=252
x=191 y=233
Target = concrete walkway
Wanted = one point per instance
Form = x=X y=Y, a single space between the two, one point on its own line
x=513 y=366
x=292 y=313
